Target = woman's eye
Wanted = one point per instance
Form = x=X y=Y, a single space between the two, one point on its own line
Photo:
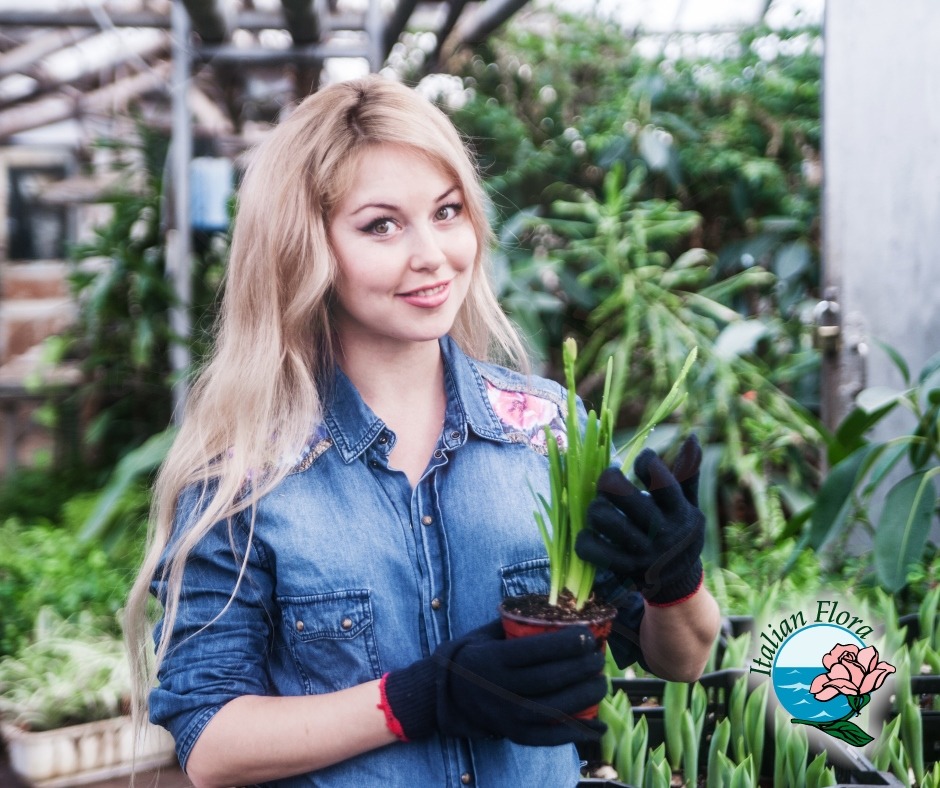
x=379 y=227
x=448 y=211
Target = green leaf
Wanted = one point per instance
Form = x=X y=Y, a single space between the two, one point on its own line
x=740 y=338
x=903 y=527
x=754 y=712
x=849 y=732
x=877 y=398
x=690 y=747
x=743 y=775
x=850 y=435
x=716 y=749
x=792 y=259
x=675 y=700
x=898 y=360
x=817 y=775
x=858 y=702
x=144 y=459
x=833 y=501
x=672 y=400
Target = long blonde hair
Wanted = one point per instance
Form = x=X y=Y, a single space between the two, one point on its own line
x=259 y=397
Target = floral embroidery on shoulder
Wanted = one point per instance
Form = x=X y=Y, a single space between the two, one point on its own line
x=525 y=414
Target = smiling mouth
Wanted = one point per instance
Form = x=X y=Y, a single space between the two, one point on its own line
x=427 y=291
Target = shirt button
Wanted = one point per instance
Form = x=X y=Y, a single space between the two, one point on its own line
x=427 y=520
x=436 y=603
x=300 y=626
x=466 y=778
x=383 y=439
x=347 y=623
x=438 y=453
x=374 y=463
x=455 y=435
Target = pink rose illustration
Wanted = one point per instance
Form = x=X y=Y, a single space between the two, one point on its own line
x=521 y=411
x=850 y=672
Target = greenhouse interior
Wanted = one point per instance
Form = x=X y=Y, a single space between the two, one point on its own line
x=718 y=218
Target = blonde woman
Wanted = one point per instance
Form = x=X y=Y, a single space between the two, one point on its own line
x=347 y=500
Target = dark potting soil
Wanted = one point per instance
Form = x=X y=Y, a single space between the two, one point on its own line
x=536 y=606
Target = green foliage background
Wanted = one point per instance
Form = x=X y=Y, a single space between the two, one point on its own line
x=648 y=205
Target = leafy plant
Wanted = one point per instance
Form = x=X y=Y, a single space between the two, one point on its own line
x=71 y=672
x=47 y=566
x=649 y=310
x=574 y=471
x=861 y=471
x=122 y=336
x=659 y=203
x=573 y=475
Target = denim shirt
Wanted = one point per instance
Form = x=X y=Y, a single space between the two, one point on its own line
x=352 y=573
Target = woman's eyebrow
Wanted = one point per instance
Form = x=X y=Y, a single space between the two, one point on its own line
x=389 y=207
x=383 y=205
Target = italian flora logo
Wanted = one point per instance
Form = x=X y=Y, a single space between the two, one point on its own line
x=822 y=671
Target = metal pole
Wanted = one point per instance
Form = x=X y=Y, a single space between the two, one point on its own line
x=375 y=33
x=178 y=242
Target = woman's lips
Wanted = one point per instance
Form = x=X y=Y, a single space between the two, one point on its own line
x=427 y=297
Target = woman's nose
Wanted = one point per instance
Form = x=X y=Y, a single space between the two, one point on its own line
x=427 y=251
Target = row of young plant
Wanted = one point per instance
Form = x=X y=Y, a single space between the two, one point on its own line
x=717 y=728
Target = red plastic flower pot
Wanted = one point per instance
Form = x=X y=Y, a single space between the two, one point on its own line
x=532 y=615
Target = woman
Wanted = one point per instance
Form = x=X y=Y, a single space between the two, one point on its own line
x=347 y=500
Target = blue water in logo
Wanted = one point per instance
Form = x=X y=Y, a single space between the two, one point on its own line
x=791 y=686
x=799 y=661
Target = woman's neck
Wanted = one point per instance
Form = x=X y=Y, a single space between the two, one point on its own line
x=397 y=378
x=406 y=390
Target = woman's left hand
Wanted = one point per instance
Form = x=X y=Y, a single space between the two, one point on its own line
x=652 y=539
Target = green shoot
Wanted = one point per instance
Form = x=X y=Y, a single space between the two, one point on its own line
x=574 y=471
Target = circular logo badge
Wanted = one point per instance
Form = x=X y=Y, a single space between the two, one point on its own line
x=799 y=661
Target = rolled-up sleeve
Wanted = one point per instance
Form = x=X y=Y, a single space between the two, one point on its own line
x=222 y=629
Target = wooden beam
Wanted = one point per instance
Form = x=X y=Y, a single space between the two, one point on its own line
x=303 y=20
x=58 y=108
x=73 y=17
x=396 y=24
x=245 y=20
x=454 y=10
x=19 y=59
x=207 y=19
x=46 y=81
x=489 y=16
x=312 y=53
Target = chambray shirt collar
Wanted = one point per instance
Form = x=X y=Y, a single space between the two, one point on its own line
x=354 y=426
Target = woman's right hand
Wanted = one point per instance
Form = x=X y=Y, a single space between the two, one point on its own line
x=483 y=685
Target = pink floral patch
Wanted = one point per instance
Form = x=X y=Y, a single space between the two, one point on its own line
x=528 y=414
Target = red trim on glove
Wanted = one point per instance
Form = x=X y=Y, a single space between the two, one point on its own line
x=390 y=719
x=681 y=599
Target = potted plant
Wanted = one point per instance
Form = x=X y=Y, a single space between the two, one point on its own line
x=573 y=475
x=63 y=701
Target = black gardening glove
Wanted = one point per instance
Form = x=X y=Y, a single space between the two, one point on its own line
x=524 y=689
x=653 y=539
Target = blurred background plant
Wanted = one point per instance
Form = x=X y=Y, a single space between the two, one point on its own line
x=71 y=672
x=123 y=335
x=647 y=205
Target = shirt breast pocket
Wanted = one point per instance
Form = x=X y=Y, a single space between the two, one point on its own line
x=526 y=577
x=332 y=639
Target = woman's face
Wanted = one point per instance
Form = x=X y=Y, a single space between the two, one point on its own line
x=406 y=250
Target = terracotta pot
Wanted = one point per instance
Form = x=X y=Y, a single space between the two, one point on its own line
x=600 y=621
